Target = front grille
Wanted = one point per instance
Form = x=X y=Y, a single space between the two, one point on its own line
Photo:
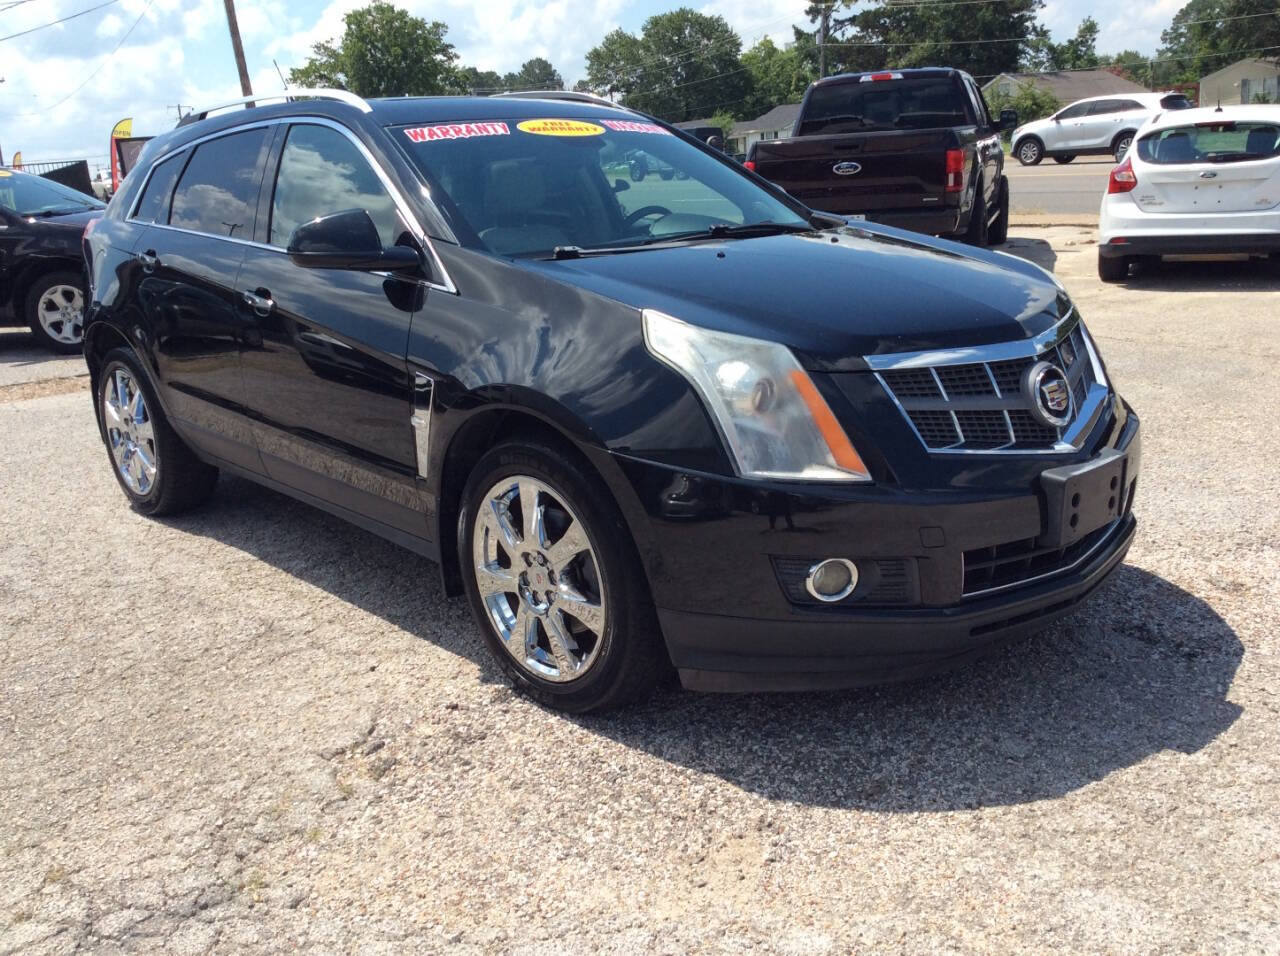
x=1016 y=562
x=980 y=406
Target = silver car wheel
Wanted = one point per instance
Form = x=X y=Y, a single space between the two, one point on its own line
x=60 y=310
x=130 y=433
x=1028 y=153
x=539 y=579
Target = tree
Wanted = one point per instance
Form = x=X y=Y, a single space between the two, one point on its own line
x=383 y=51
x=1206 y=35
x=1078 y=53
x=924 y=34
x=535 y=74
x=470 y=80
x=1032 y=102
x=683 y=65
x=1130 y=64
x=777 y=76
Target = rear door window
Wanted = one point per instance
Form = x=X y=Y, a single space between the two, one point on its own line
x=1211 y=143
x=1104 y=107
x=1075 y=111
x=154 y=204
x=218 y=191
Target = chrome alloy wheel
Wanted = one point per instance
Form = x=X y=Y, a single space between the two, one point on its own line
x=1028 y=152
x=61 y=314
x=130 y=434
x=539 y=579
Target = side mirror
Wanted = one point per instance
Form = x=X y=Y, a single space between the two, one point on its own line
x=347 y=240
x=621 y=185
x=1008 y=120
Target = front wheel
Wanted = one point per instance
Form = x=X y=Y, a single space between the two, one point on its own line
x=1030 y=152
x=155 y=468
x=55 y=311
x=553 y=581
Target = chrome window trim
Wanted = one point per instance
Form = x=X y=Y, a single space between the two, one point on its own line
x=420 y=421
x=1069 y=440
x=1065 y=569
x=402 y=204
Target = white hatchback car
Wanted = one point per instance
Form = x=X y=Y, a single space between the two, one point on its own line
x=1195 y=182
x=1097 y=125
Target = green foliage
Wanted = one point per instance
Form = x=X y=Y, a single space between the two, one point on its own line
x=1078 y=53
x=383 y=51
x=535 y=74
x=683 y=65
x=1207 y=35
x=778 y=76
x=1130 y=64
x=725 y=122
x=470 y=80
x=1031 y=101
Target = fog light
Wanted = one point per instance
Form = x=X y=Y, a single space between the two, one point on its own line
x=832 y=580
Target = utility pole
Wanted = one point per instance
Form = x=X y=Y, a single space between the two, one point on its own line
x=822 y=40
x=237 y=48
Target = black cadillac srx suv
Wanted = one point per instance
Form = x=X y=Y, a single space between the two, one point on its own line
x=680 y=421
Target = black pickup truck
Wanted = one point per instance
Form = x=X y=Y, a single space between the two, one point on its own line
x=912 y=148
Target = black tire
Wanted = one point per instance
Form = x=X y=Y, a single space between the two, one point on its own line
x=999 y=230
x=182 y=481
x=1121 y=145
x=1029 y=151
x=638 y=172
x=42 y=292
x=1063 y=160
x=978 y=231
x=666 y=174
x=1113 y=268
x=629 y=658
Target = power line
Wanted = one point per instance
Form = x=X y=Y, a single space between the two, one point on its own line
x=54 y=23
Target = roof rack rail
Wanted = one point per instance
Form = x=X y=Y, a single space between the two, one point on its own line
x=342 y=96
x=571 y=95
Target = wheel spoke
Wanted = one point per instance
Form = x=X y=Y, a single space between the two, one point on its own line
x=144 y=431
x=492 y=579
x=531 y=510
x=587 y=611
x=561 y=642
x=145 y=461
x=122 y=391
x=521 y=638
x=111 y=411
x=571 y=544
x=496 y=520
x=136 y=406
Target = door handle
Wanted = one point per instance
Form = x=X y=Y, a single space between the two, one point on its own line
x=149 y=260
x=261 y=304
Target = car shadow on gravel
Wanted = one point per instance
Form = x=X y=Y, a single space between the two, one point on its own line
x=1033 y=250
x=1142 y=668
x=1205 y=275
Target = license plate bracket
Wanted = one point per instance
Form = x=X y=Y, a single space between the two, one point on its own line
x=1084 y=497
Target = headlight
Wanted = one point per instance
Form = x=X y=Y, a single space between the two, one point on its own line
x=772 y=417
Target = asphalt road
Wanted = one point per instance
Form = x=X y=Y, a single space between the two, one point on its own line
x=1072 y=188
x=255 y=728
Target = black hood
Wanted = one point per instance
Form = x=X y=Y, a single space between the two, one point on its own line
x=832 y=295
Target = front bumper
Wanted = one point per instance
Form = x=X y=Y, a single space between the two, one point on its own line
x=714 y=551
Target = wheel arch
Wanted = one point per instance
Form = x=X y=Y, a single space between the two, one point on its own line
x=30 y=272
x=495 y=422
x=1017 y=144
x=1115 y=140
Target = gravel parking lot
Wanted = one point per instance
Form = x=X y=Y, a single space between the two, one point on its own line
x=256 y=728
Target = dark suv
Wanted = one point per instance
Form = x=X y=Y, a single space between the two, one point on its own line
x=683 y=421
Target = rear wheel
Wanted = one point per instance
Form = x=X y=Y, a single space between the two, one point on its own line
x=1121 y=146
x=1113 y=268
x=553 y=581
x=1063 y=160
x=1030 y=151
x=999 y=231
x=158 y=472
x=55 y=311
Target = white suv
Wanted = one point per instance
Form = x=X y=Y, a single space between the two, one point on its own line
x=1098 y=125
x=1196 y=182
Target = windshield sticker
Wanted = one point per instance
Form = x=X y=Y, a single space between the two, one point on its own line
x=559 y=127
x=630 y=126
x=428 y=134
x=5 y=172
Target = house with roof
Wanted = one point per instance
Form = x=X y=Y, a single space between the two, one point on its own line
x=1242 y=82
x=1066 y=85
x=775 y=124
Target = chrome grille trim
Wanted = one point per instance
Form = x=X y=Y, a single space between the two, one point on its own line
x=987 y=415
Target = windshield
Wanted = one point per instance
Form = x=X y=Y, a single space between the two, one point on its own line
x=1223 y=142
x=29 y=195
x=916 y=103
x=526 y=187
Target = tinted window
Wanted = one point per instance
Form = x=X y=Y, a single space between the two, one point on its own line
x=218 y=192
x=1221 y=143
x=1103 y=107
x=154 y=205
x=30 y=195
x=1176 y=101
x=1126 y=106
x=523 y=187
x=322 y=172
x=924 y=103
x=1075 y=112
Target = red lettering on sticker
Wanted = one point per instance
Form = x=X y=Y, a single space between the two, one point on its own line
x=630 y=126
x=429 y=134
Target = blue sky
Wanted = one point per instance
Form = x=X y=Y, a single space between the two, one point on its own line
x=177 y=51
